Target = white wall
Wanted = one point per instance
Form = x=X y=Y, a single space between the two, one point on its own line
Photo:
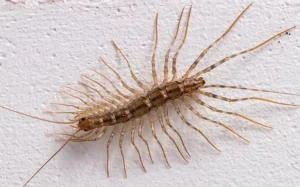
x=44 y=46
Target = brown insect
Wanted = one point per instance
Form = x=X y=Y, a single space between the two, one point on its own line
x=115 y=110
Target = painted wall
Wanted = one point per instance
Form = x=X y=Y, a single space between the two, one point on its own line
x=47 y=45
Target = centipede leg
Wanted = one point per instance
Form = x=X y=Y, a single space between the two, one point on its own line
x=121 y=148
x=208 y=94
x=107 y=148
x=244 y=88
x=213 y=44
x=151 y=123
x=140 y=128
x=229 y=113
x=139 y=83
x=215 y=65
x=169 y=124
x=133 y=126
x=166 y=71
x=174 y=71
x=154 y=74
x=193 y=110
x=160 y=119
x=192 y=126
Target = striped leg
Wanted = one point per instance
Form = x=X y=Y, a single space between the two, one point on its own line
x=193 y=110
x=139 y=83
x=154 y=74
x=193 y=127
x=66 y=105
x=208 y=94
x=83 y=93
x=229 y=113
x=174 y=71
x=119 y=77
x=140 y=128
x=250 y=89
x=133 y=126
x=107 y=148
x=121 y=148
x=118 y=91
x=76 y=97
x=160 y=118
x=151 y=123
x=166 y=65
x=208 y=69
x=193 y=66
x=117 y=98
x=106 y=101
x=169 y=124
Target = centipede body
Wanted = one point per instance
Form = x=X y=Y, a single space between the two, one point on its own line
x=160 y=96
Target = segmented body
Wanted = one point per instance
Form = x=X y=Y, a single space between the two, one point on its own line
x=116 y=110
x=142 y=105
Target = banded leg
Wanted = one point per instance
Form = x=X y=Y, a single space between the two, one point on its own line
x=208 y=69
x=104 y=99
x=229 y=113
x=154 y=74
x=139 y=83
x=174 y=71
x=118 y=91
x=169 y=124
x=166 y=65
x=119 y=77
x=193 y=110
x=208 y=94
x=140 y=128
x=66 y=105
x=160 y=119
x=117 y=98
x=133 y=126
x=151 y=123
x=250 y=89
x=76 y=97
x=107 y=148
x=192 y=126
x=83 y=93
x=121 y=148
x=193 y=66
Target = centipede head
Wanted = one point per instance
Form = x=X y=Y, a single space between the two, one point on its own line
x=192 y=84
x=85 y=124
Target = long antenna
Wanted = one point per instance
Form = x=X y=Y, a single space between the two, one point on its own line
x=51 y=158
x=38 y=118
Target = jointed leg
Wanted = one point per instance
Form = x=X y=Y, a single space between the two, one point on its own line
x=169 y=50
x=169 y=124
x=213 y=121
x=76 y=97
x=118 y=91
x=119 y=77
x=190 y=125
x=151 y=123
x=225 y=112
x=242 y=99
x=139 y=83
x=160 y=118
x=133 y=126
x=140 y=127
x=214 y=43
x=174 y=71
x=107 y=148
x=250 y=89
x=121 y=149
x=154 y=74
x=208 y=69
x=66 y=105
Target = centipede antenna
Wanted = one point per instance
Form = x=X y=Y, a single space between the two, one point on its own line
x=50 y=158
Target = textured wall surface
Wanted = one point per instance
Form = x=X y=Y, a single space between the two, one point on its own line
x=45 y=45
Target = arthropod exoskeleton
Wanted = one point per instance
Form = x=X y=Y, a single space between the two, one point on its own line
x=101 y=110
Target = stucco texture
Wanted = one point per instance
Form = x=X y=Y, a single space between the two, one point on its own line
x=45 y=45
